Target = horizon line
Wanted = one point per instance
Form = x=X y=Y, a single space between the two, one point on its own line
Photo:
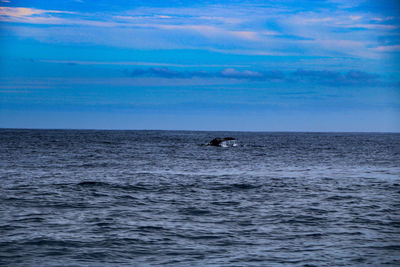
x=180 y=130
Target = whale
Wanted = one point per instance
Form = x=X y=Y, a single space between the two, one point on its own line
x=223 y=142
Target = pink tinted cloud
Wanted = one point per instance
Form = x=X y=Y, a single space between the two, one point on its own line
x=25 y=12
x=388 y=48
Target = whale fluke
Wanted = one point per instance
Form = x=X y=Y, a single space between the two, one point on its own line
x=223 y=141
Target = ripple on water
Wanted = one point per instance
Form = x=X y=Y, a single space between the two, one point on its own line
x=120 y=198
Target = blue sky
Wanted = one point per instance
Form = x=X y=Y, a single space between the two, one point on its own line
x=200 y=65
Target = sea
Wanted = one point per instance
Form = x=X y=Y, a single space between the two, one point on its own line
x=164 y=198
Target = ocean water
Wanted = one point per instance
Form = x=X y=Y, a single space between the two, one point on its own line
x=143 y=198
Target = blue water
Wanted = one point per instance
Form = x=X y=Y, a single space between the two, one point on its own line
x=140 y=198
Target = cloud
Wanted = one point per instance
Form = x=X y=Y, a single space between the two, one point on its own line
x=229 y=73
x=205 y=30
x=325 y=77
x=264 y=29
x=137 y=63
x=34 y=16
x=373 y=26
x=334 y=78
x=355 y=17
x=388 y=48
x=382 y=19
x=20 y=12
x=246 y=74
x=341 y=20
x=166 y=73
x=199 y=25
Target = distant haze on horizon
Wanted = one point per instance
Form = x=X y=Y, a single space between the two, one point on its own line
x=328 y=65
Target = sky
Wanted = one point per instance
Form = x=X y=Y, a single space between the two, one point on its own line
x=281 y=65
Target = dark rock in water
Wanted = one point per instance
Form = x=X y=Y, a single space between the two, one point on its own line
x=218 y=141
